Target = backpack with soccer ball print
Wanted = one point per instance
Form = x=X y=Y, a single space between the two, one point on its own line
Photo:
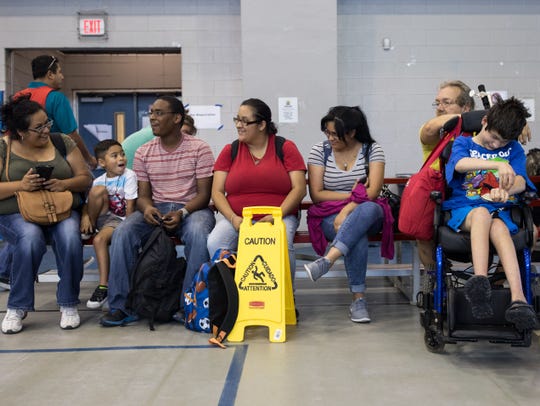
x=197 y=302
x=212 y=299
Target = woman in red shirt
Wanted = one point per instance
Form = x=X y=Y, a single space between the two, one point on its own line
x=258 y=174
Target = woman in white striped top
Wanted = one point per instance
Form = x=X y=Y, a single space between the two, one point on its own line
x=346 y=173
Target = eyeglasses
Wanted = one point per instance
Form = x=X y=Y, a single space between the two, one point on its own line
x=41 y=129
x=243 y=122
x=54 y=60
x=159 y=113
x=444 y=103
x=329 y=133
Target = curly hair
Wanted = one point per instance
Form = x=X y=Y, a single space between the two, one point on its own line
x=16 y=114
x=533 y=162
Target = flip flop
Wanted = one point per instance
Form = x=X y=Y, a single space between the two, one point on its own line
x=522 y=315
x=478 y=293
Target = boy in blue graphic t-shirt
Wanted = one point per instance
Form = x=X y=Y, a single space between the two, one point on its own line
x=485 y=174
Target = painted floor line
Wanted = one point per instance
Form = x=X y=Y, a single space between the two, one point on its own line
x=230 y=388
x=87 y=349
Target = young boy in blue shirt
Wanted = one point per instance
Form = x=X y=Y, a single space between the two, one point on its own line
x=485 y=173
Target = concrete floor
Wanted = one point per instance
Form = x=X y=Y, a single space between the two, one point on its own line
x=327 y=360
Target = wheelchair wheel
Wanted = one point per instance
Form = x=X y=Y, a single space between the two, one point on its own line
x=434 y=342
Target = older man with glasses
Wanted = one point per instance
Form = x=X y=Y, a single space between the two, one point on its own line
x=452 y=100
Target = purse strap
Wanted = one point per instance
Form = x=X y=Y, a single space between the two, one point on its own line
x=443 y=142
x=8 y=142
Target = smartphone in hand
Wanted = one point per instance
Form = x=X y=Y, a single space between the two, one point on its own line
x=44 y=171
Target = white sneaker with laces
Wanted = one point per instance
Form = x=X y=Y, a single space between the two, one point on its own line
x=70 y=318
x=12 y=323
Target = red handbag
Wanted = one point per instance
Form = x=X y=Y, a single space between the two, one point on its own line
x=417 y=208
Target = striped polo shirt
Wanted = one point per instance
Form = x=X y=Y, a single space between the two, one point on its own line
x=173 y=175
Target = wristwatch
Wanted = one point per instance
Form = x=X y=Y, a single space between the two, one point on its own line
x=185 y=213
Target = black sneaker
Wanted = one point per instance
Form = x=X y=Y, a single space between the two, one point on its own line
x=4 y=283
x=98 y=299
x=117 y=318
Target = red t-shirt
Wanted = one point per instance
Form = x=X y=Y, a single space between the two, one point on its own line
x=264 y=184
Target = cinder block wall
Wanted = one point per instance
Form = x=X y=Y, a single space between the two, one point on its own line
x=493 y=42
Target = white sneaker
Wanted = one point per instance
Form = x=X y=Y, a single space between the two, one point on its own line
x=70 y=318
x=12 y=323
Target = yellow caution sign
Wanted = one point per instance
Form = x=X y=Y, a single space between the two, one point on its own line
x=263 y=276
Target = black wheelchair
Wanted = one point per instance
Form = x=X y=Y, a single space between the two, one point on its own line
x=446 y=314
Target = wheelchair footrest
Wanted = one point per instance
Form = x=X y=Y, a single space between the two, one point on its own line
x=463 y=326
x=501 y=334
x=459 y=309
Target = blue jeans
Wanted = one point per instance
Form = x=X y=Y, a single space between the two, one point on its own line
x=352 y=240
x=6 y=254
x=28 y=243
x=131 y=235
x=225 y=236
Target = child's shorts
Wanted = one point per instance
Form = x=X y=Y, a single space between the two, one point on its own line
x=108 y=220
x=457 y=217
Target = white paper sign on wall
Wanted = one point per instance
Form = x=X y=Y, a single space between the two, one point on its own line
x=288 y=109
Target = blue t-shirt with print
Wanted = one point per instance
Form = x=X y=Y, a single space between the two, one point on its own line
x=468 y=188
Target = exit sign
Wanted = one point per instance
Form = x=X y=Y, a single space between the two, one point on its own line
x=91 y=26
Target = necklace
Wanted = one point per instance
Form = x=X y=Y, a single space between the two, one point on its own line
x=256 y=161
x=261 y=150
x=345 y=160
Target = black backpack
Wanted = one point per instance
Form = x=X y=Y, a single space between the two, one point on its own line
x=156 y=280
x=279 y=141
x=222 y=295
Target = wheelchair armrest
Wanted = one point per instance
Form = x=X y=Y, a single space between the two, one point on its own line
x=436 y=196
x=529 y=227
x=528 y=196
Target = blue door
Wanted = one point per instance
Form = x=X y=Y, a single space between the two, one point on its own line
x=97 y=114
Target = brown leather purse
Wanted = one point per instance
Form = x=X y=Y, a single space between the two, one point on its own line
x=42 y=207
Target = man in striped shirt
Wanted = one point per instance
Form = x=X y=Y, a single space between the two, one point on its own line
x=174 y=173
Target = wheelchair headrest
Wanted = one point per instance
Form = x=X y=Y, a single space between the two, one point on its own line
x=471 y=122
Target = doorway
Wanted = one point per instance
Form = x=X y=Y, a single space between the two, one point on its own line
x=110 y=89
x=113 y=115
